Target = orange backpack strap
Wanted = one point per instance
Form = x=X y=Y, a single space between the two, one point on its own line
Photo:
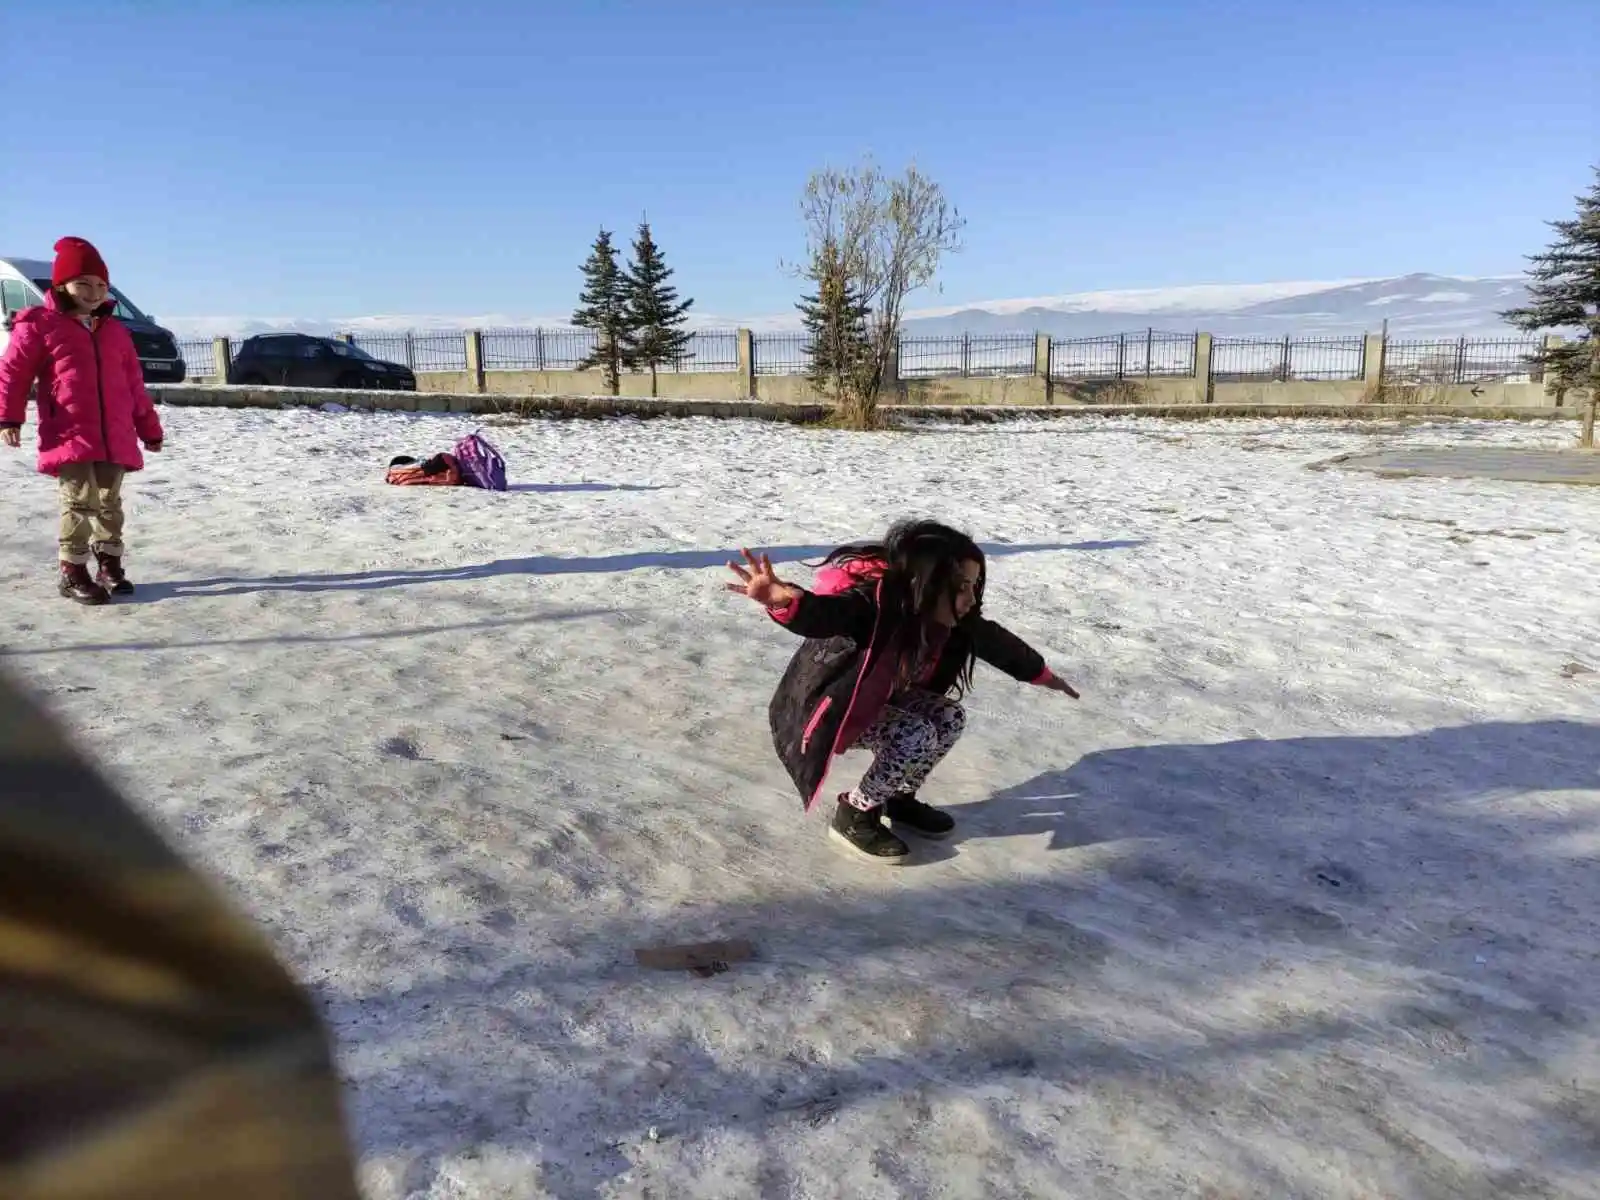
x=441 y=470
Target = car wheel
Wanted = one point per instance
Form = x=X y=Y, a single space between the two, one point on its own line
x=254 y=379
x=347 y=381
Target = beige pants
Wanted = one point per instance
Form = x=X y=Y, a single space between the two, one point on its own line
x=91 y=510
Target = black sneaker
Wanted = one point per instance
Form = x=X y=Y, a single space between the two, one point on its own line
x=862 y=830
x=905 y=811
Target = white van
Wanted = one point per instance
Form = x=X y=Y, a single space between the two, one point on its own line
x=23 y=283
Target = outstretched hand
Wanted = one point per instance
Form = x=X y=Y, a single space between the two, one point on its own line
x=1057 y=684
x=761 y=583
x=11 y=437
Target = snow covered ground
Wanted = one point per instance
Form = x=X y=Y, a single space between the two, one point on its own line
x=1299 y=900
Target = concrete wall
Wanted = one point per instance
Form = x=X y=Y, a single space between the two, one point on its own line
x=1461 y=396
x=486 y=404
x=733 y=386
x=687 y=385
x=1011 y=391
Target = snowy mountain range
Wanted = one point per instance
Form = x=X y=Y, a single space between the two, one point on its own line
x=1418 y=305
x=1414 y=305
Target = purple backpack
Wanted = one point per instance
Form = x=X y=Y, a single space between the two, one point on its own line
x=481 y=464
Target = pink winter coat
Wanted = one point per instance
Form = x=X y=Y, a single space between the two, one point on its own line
x=93 y=406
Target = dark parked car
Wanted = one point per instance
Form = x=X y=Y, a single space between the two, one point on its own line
x=300 y=360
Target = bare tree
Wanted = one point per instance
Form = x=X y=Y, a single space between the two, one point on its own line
x=889 y=236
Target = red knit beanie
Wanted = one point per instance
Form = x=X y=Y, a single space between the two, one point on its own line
x=75 y=257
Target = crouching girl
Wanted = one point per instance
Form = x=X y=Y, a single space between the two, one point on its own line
x=892 y=630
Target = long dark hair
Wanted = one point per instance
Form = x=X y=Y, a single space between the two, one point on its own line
x=922 y=567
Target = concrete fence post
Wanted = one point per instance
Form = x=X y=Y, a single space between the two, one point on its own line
x=221 y=358
x=1373 y=349
x=1552 y=342
x=474 y=339
x=747 y=363
x=1202 y=365
x=891 y=369
x=1041 y=365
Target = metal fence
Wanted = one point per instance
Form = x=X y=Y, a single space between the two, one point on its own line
x=199 y=357
x=1465 y=360
x=1280 y=360
x=391 y=347
x=537 y=349
x=967 y=355
x=781 y=353
x=419 y=351
x=1123 y=356
x=541 y=349
x=711 y=350
x=1143 y=355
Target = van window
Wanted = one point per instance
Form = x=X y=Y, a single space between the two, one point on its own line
x=15 y=296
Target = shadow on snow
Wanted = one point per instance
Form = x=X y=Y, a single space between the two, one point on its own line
x=675 y=560
x=1204 y=870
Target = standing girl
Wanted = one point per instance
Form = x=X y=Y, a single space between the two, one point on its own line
x=94 y=413
x=892 y=631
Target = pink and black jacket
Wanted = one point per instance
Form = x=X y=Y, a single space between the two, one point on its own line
x=839 y=680
x=92 y=402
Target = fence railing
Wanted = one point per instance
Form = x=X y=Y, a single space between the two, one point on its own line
x=419 y=351
x=780 y=353
x=711 y=350
x=1465 y=360
x=538 y=349
x=967 y=355
x=1257 y=360
x=1145 y=355
x=199 y=357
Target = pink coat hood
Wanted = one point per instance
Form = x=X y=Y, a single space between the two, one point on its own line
x=92 y=402
x=841 y=577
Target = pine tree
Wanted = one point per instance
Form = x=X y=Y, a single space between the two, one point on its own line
x=1564 y=293
x=602 y=307
x=655 y=318
x=835 y=317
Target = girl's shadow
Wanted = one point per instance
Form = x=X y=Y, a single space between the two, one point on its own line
x=925 y=852
x=558 y=488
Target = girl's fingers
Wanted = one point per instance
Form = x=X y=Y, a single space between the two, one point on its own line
x=739 y=571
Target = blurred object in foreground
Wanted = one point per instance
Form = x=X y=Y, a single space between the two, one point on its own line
x=151 y=1045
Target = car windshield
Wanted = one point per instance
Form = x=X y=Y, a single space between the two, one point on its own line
x=124 y=307
x=127 y=309
x=346 y=350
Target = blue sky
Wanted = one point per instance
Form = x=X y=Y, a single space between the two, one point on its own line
x=344 y=158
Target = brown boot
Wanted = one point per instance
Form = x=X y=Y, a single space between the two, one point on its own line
x=76 y=585
x=110 y=575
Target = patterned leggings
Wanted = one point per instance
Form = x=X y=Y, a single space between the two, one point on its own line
x=917 y=729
